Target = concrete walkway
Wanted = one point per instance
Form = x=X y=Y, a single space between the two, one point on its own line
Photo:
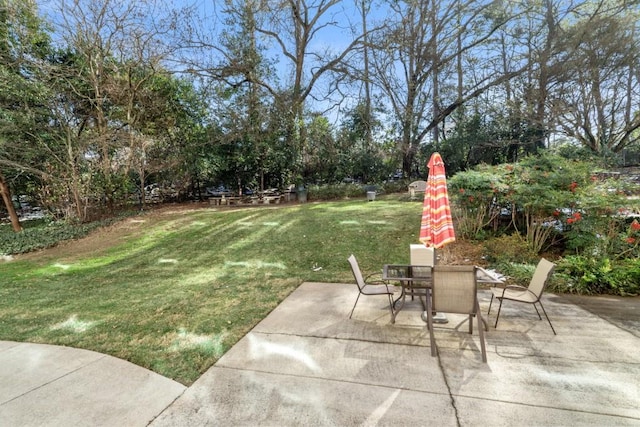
x=45 y=385
x=308 y=364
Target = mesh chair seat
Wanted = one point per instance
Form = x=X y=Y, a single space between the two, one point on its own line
x=531 y=295
x=455 y=290
x=515 y=293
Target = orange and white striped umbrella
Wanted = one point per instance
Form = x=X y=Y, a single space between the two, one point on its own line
x=436 y=228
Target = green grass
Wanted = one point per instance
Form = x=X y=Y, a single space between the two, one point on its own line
x=175 y=295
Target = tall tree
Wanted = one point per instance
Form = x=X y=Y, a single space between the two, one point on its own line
x=598 y=94
x=24 y=44
x=113 y=40
x=293 y=29
x=421 y=48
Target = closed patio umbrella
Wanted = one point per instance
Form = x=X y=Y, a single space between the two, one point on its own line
x=436 y=228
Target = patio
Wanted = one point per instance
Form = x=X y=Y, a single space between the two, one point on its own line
x=308 y=364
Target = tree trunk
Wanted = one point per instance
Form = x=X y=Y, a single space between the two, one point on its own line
x=368 y=115
x=6 y=196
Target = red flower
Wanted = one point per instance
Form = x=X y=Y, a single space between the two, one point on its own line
x=556 y=213
x=635 y=225
x=631 y=240
x=577 y=216
x=462 y=191
x=573 y=186
x=570 y=221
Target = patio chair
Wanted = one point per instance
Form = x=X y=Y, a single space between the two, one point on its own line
x=454 y=290
x=530 y=295
x=421 y=255
x=368 y=286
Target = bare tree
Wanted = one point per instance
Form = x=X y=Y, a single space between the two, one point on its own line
x=415 y=57
x=117 y=47
x=597 y=98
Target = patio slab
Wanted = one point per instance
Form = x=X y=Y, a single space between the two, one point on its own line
x=308 y=364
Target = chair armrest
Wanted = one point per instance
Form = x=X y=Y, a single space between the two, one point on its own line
x=376 y=279
x=515 y=288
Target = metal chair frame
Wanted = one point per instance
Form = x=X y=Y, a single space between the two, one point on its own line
x=531 y=295
x=368 y=287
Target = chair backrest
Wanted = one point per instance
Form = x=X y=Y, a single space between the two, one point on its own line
x=422 y=255
x=454 y=289
x=541 y=276
x=357 y=274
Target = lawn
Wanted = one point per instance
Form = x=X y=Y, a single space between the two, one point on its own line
x=173 y=290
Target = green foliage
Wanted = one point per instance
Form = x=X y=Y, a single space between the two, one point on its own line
x=538 y=187
x=473 y=195
x=554 y=204
x=335 y=192
x=518 y=273
x=353 y=190
x=39 y=234
x=547 y=199
x=595 y=275
x=478 y=140
x=510 y=248
x=399 y=186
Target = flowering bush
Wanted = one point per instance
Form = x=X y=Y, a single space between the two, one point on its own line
x=632 y=239
x=474 y=198
x=576 y=217
x=553 y=205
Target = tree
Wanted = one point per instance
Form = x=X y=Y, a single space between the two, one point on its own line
x=598 y=96
x=24 y=43
x=413 y=59
x=245 y=114
x=360 y=159
x=291 y=29
x=569 y=50
x=117 y=46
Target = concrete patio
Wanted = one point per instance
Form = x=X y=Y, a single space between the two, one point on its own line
x=308 y=364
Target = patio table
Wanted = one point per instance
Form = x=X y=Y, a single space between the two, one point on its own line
x=416 y=280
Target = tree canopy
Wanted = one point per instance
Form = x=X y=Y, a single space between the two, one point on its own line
x=100 y=99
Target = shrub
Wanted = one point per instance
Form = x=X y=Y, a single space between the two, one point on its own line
x=474 y=201
x=518 y=273
x=335 y=191
x=399 y=186
x=590 y=275
x=509 y=249
x=43 y=234
x=353 y=190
